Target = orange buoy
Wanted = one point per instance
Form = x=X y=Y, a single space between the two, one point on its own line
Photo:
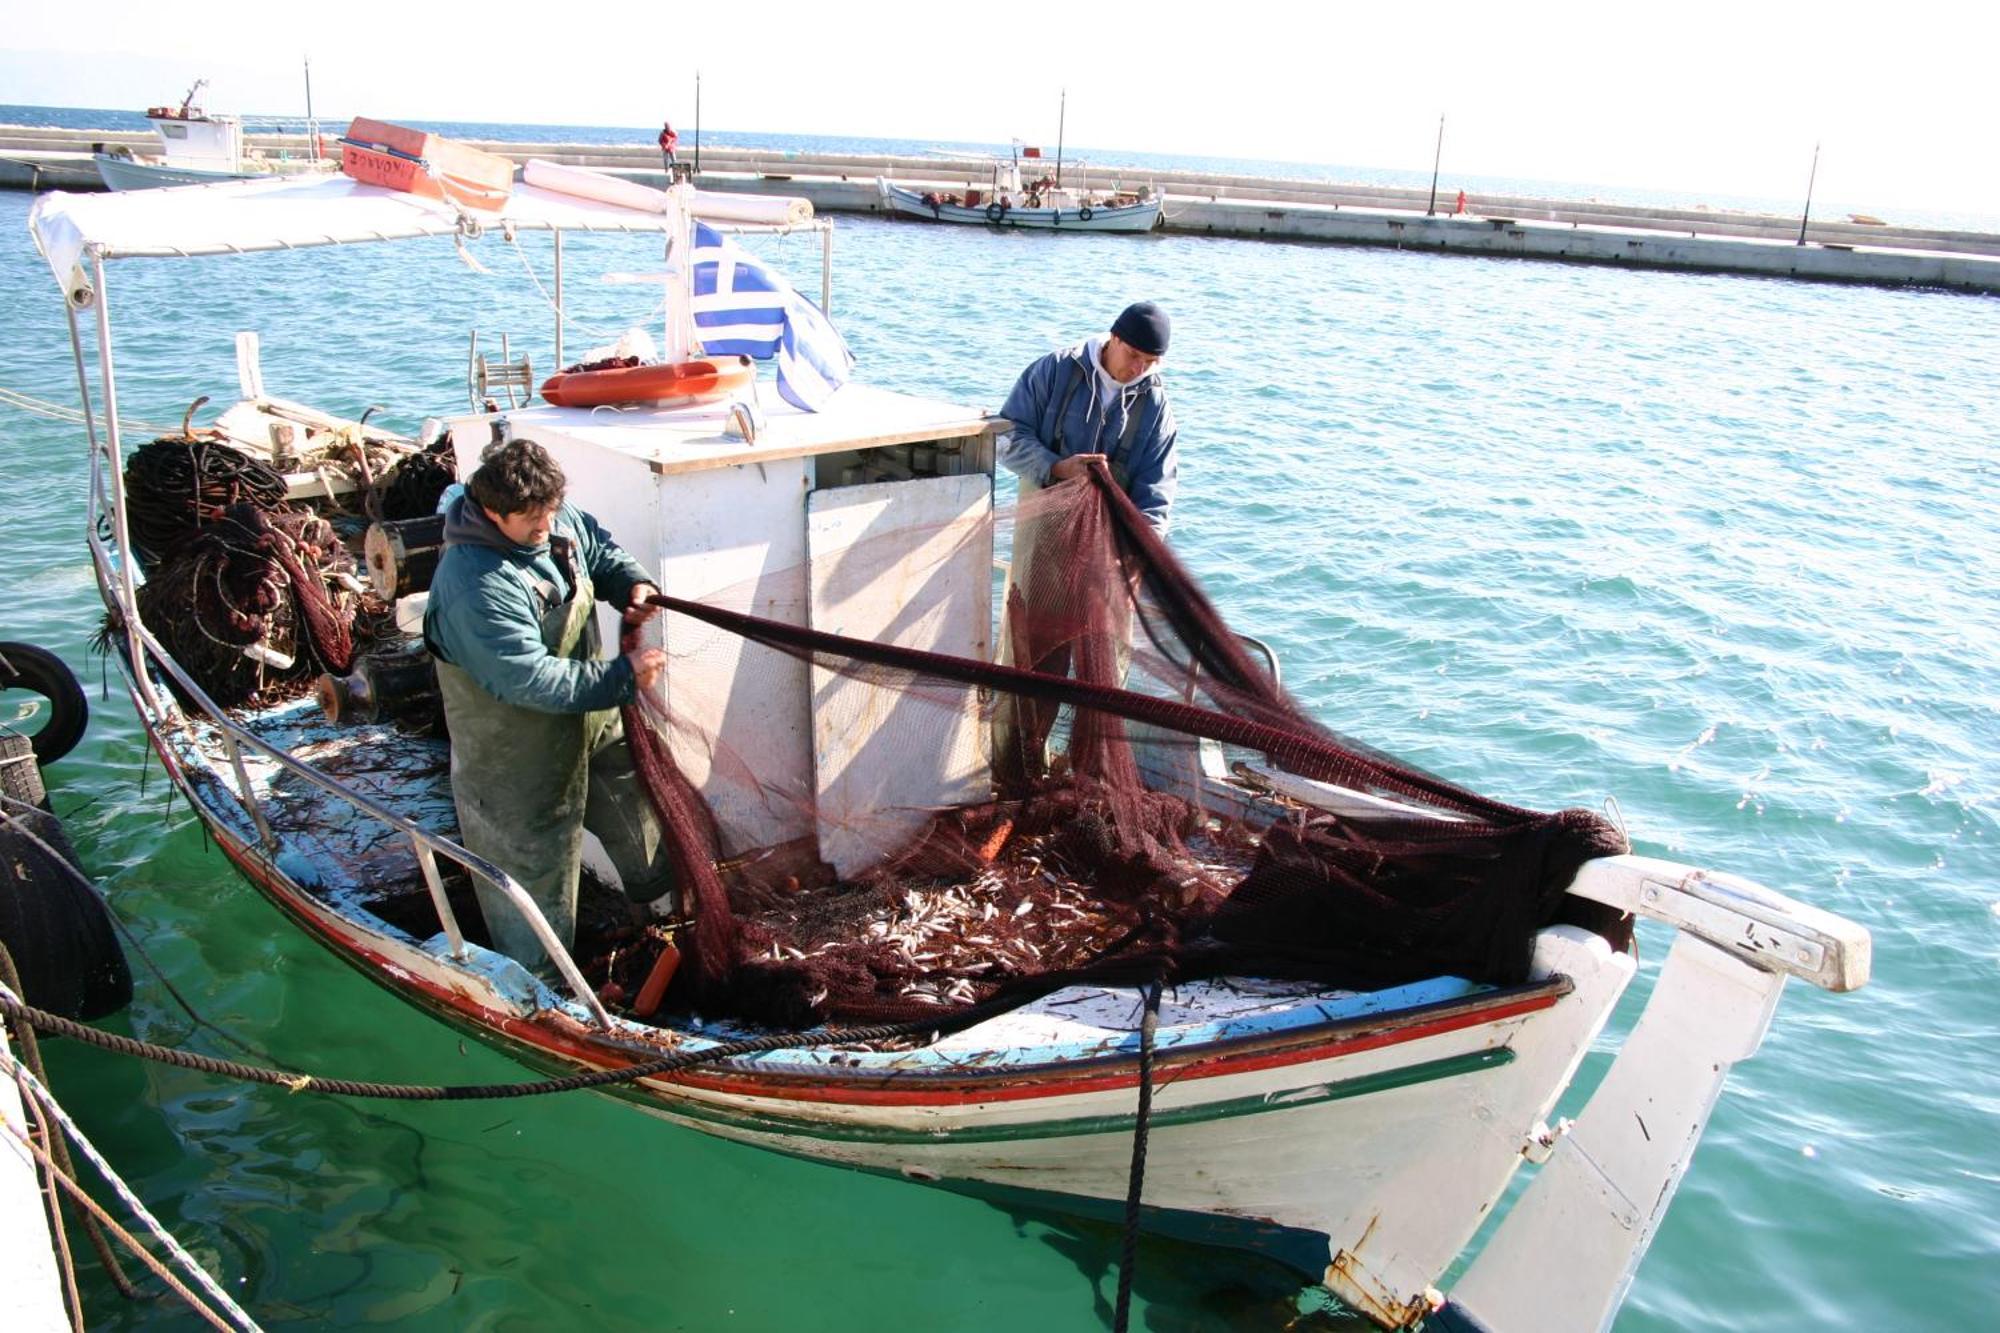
x=655 y=988
x=682 y=382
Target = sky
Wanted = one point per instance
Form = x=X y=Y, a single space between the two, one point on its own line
x=1692 y=97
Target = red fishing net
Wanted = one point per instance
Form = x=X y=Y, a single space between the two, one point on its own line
x=1089 y=805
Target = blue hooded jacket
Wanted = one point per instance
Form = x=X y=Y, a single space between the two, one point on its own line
x=1062 y=406
x=484 y=618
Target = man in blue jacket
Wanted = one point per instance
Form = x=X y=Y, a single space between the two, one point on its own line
x=538 y=753
x=1101 y=399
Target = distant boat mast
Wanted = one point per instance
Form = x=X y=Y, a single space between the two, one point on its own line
x=1062 y=111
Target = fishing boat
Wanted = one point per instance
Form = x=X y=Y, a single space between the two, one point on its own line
x=1041 y=205
x=199 y=147
x=832 y=642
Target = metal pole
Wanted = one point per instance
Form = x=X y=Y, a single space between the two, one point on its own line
x=825 y=267
x=1062 y=114
x=312 y=128
x=697 y=123
x=1435 y=160
x=1806 y=212
x=557 y=233
x=129 y=609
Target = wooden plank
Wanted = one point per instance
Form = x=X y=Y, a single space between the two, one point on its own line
x=909 y=563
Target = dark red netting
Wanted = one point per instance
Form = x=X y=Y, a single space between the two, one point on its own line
x=1089 y=831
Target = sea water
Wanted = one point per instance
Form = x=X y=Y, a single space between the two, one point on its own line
x=1718 y=548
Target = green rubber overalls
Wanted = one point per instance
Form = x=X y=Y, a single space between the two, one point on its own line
x=527 y=783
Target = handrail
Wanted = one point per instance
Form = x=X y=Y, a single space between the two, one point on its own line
x=426 y=843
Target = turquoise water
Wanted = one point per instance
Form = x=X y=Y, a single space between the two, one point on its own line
x=1718 y=547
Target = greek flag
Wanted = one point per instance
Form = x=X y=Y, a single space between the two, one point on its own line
x=742 y=308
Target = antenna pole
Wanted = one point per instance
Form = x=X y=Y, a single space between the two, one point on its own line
x=312 y=127
x=1062 y=113
x=697 y=122
x=1435 y=160
x=1806 y=212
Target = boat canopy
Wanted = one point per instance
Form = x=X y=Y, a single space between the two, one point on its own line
x=243 y=216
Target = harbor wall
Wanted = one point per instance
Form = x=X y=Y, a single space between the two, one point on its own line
x=1272 y=208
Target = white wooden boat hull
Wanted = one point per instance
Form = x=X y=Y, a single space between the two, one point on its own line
x=1299 y=1125
x=1131 y=217
x=124 y=173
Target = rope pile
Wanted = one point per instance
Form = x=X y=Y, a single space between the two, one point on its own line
x=178 y=486
x=244 y=605
x=412 y=488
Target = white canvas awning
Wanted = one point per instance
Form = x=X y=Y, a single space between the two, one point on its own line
x=243 y=216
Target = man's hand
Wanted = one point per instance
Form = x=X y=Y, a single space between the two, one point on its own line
x=1074 y=466
x=647 y=666
x=639 y=609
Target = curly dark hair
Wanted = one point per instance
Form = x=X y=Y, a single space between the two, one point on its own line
x=516 y=476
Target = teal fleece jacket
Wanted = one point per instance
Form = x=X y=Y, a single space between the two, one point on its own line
x=484 y=616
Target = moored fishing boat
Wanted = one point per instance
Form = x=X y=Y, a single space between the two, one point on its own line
x=1042 y=210
x=1371 y=1124
x=198 y=147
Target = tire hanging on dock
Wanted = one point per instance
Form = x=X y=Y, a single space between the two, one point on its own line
x=52 y=922
x=23 y=666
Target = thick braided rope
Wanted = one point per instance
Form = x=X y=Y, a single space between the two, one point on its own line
x=13 y=1007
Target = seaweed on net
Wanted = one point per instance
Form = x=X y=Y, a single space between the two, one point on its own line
x=1090 y=853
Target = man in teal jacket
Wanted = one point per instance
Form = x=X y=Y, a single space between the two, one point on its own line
x=538 y=753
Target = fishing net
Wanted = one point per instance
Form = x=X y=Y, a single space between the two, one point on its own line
x=177 y=486
x=245 y=606
x=1085 y=806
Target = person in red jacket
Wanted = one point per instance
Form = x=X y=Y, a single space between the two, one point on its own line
x=668 y=142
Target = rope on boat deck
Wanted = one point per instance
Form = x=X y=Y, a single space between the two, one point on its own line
x=13 y=1007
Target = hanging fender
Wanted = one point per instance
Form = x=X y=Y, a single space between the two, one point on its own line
x=683 y=382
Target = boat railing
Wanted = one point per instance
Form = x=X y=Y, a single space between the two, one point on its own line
x=115 y=581
x=235 y=738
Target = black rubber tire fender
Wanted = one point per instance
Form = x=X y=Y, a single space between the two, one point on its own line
x=23 y=666
x=994 y=212
x=1084 y=213
x=55 y=925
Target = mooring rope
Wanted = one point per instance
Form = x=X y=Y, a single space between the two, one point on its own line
x=42 y=407
x=1149 y=1026
x=12 y=1006
x=9 y=1065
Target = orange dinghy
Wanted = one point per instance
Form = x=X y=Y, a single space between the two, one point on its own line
x=682 y=382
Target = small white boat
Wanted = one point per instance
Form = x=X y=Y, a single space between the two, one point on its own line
x=198 y=147
x=1051 y=209
x=1361 y=1132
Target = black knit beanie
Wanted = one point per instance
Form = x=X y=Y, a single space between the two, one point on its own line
x=1144 y=327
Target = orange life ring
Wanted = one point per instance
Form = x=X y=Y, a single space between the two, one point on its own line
x=683 y=382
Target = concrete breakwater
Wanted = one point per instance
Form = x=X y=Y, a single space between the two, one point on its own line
x=1276 y=208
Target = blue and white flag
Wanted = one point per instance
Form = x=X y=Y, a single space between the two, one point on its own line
x=742 y=308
